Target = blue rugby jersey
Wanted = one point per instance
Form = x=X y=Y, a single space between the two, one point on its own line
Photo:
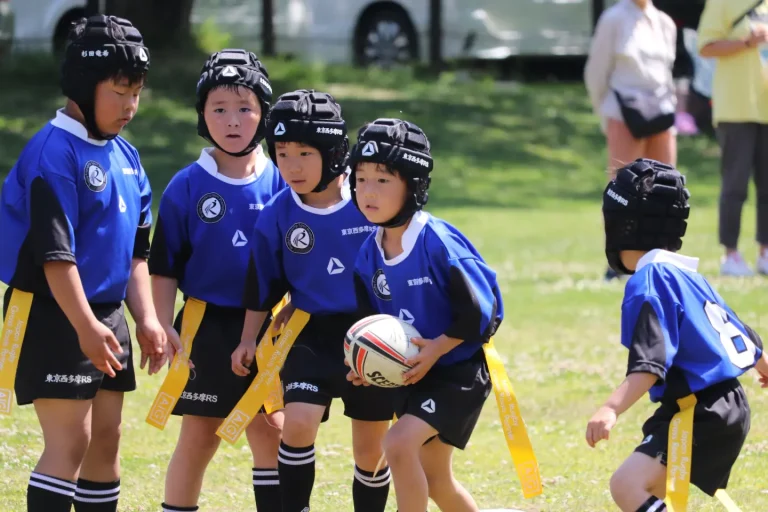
x=679 y=329
x=440 y=284
x=204 y=225
x=72 y=198
x=308 y=251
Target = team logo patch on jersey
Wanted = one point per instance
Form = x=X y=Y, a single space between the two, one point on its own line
x=380 y=286
x=95 y=176
x=300 y=239
x=211 y=208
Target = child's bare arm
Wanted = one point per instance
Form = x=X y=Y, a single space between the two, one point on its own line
x=630 y=391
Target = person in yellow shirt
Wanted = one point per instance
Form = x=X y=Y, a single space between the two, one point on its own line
x=735 y=33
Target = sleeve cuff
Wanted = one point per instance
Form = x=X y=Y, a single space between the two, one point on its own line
x=58 y=256
x=648 y=367
x=141 y=243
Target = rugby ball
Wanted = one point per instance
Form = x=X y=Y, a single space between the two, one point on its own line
x=377 y=347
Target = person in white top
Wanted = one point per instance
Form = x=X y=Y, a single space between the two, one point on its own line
x=631 y=56
x=632 y=53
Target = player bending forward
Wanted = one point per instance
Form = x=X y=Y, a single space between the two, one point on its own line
x=457 y=306
x=682 y=338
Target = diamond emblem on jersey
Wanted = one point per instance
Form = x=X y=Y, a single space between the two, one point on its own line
x=121 y=204
x=280 y=129
x=95 y=176
x=239 y=239
x=211 y=208
x=300 y=239
x=428 y=405
x=406 y=316
x=335 y=266
x=380 y=286
x=370 y=148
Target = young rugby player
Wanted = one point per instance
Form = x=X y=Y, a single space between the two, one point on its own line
x=682 y=337
x=305 y=243
x=424 y=271
x=200 y=246
x=75 y=217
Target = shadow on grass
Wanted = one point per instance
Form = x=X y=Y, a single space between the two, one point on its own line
x=534 y=145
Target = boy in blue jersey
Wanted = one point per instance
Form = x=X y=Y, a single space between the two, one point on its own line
x=682 y=338
x=305 y=243
x=75 y=219
x=424 y=271
x=200 y=246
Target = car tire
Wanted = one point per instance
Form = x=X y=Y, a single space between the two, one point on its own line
x=385 y=38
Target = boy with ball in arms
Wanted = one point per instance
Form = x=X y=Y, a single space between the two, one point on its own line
x=305 y=242
x=687 y=348
x=75 y=217
x=424 y=271
x=200 y=246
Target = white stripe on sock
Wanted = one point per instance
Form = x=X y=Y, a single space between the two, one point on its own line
x=271 y=472
x=259 y=483
x=80 y=490
x=51 y=488
x=656 y=506
x=378 y=481
x=381 y=475
x=50 y=479
x=296 y=455
x=96 y=500
x=295 y=462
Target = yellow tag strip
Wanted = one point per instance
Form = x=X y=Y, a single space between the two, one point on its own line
x=250 y=403
x=176 y=379
x=16 y=318
x=518 y=442
x=274 y=401
x=726 y=500
x=679 y=448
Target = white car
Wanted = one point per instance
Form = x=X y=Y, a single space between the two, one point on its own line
x=389 y=32
x=43 y=25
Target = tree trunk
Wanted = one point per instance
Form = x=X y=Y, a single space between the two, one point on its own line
x=267 y=28
x=163 y=23
x=436 y=34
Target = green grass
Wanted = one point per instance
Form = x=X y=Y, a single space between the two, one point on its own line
x=519 y=170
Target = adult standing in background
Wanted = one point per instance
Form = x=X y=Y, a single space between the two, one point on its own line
x=629 y=80
x=735 y=33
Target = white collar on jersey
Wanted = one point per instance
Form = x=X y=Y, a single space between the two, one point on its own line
x=661 y=256
x=66 y=123
x=411 y=234
x=207 y=162
x=346 y=196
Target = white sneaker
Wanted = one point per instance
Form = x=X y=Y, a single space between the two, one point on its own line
x=734 y=265
x=762 y=264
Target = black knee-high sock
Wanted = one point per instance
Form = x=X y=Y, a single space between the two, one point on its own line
x=266 y=489
x=369 y=493
x=96 y=496
x=296 y=467
x=49 y=494
x=653 y=504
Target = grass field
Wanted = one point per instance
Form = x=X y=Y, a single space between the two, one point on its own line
x=520 y=170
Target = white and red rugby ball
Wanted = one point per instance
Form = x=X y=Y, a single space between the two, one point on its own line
x=377 y=347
